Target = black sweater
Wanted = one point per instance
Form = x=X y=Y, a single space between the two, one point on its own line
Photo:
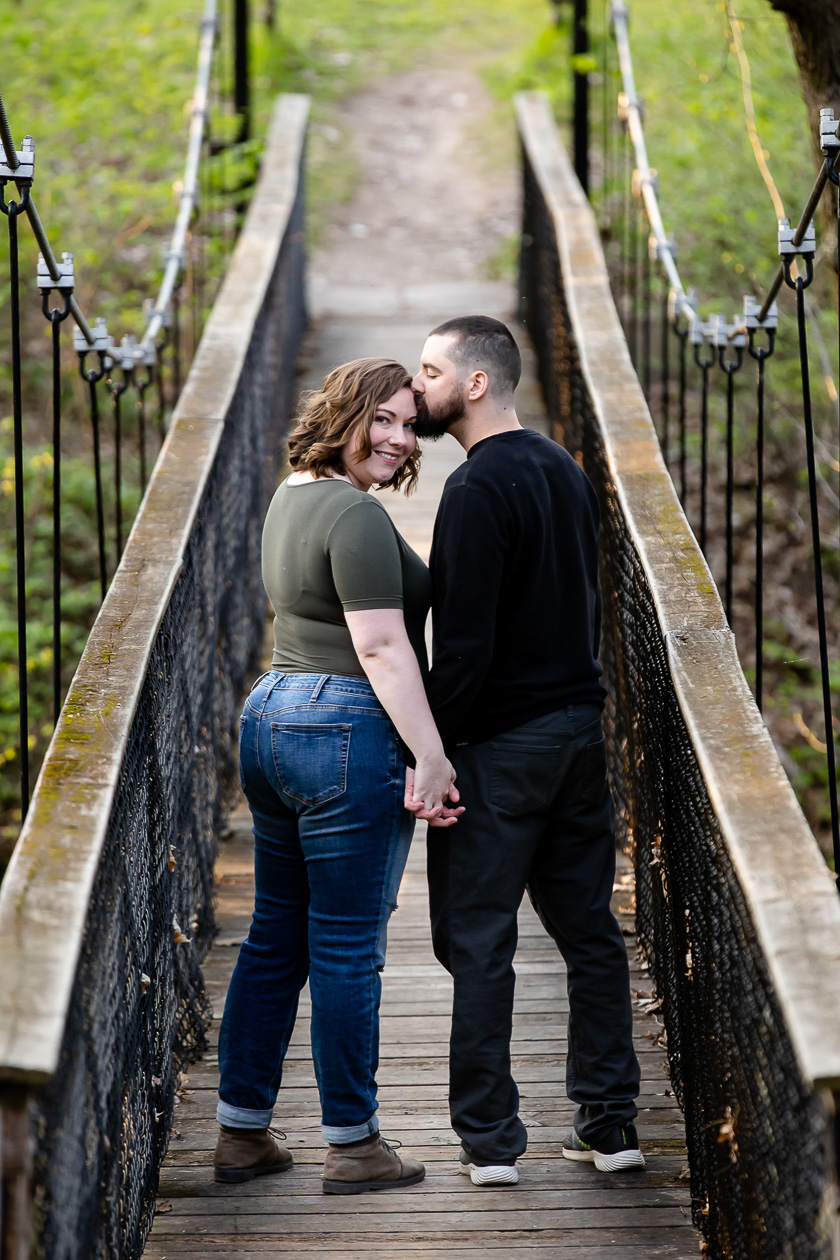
x=516 y=607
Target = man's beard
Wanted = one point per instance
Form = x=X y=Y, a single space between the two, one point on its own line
x=433 y=424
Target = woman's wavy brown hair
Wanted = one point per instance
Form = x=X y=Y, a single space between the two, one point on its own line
x=348 y=400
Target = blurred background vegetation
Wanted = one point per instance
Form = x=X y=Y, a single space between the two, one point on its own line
x=105 y=92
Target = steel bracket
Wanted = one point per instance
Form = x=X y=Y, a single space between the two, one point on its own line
x=24 y=172
x=787 y=249
x=829 y=137
x=66 y=278
x=101 y=340
x=752 y=308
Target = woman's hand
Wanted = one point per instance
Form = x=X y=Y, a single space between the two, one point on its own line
x=382 y=646
x=437 y=776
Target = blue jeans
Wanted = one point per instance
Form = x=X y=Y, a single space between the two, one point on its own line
x=323 y=772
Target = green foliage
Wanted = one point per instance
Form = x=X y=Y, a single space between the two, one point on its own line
x=104 y=89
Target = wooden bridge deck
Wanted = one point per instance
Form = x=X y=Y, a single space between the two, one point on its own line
x=560 y=1208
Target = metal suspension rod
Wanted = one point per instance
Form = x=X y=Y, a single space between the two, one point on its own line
x=704 y=364
x=55 y=320
x=761 y=354
x=730 y=367
x=6 y=139
x=666 y=399
x=117 y=391
x=91 y=376
x=141 y=387
x=682 y=333
x=633 y=286
x=580 y=88
x=176 y=343
x=645 y=313
x=12 y=210
x=56 y=317
x=759 y=538
x=799 y=285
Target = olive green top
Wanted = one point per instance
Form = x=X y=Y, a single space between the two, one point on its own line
x=327 y=549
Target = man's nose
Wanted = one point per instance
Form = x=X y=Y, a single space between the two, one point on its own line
x=417 y=385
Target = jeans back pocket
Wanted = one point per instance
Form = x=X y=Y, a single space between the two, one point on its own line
x=311 y=760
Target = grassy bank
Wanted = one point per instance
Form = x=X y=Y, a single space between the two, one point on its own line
x=105 y=90
x=717 y=206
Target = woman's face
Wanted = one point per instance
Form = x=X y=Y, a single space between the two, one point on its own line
x=392 y=440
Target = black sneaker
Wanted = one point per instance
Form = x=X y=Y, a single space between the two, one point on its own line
x=614 y=1153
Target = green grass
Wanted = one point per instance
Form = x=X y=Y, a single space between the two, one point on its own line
x=714 y=201
x=103 y=90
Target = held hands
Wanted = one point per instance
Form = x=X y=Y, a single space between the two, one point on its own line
x=431 y=794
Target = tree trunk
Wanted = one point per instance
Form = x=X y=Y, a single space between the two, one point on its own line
x=814 y=27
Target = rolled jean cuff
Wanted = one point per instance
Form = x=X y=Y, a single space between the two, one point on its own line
x=242 y=1117
x=340 y=1137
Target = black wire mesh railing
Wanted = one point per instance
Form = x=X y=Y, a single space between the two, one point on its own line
x=716 y=419
x=732 y=1063
x=57 y=581
x=138 y=1014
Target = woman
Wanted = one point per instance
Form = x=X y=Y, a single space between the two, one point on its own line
x=323 y=768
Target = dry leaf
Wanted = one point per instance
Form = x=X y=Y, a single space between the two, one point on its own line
x=180 y=938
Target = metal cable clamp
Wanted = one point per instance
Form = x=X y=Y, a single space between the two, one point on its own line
x=703 y=332
x=24 y=172
x=829 y=129
x=101 y=340
x=752 y=310
x=66 y=279
x=682 y=304
x=787 y=249
x=830 y=143
x=658 y=249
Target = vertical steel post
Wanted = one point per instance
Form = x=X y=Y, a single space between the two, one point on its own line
x=241 y=80
x=580 y=49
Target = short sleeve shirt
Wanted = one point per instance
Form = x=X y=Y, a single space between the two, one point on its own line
x=328 y=549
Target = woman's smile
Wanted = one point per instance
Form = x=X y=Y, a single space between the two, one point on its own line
x=393 y=425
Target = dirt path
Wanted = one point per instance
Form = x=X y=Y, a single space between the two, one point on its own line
x=437 y=198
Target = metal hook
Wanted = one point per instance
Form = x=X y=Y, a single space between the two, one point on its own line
x=800 y=282
x=13 y=208
x=55 y=314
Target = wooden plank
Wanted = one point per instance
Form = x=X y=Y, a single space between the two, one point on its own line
x=543 y=1174
x=348 y=1220
x=680 y=1242
x=560 y=1208
x=447 y=1215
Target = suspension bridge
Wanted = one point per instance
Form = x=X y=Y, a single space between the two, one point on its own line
x=121 y=913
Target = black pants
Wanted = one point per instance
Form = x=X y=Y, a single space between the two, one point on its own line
x=538 y=816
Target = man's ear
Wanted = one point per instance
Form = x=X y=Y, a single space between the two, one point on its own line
x=478 y=383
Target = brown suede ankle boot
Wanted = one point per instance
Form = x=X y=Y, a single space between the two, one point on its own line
x=368 y=1165
x=242 y=1154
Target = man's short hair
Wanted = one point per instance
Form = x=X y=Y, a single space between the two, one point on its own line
x=482 y=342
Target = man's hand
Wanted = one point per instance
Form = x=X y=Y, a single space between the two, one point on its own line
x=441 y=816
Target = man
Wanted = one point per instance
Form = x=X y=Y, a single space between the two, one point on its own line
x=515 y=691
